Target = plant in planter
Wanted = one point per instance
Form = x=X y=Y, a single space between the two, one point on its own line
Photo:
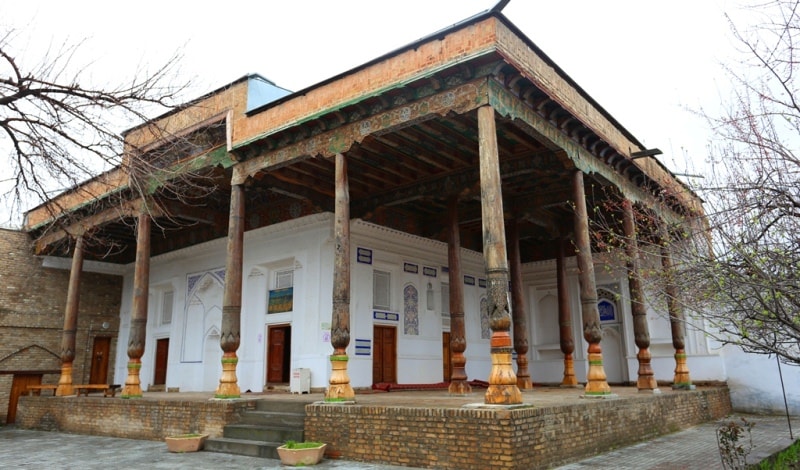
x=301 y=453
x=186 y=442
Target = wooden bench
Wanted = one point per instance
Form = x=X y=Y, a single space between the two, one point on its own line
x=108 y=390
x=37 y=389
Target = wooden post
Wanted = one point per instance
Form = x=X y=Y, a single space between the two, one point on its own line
x=503 y=388
x=141 y=286
x=596 y=384
x=339 y=388
x=519 y=311
x=681 y=380
x=458 y=341
x=565 y=318
x=70 y=321
x=232 y=297
x=646 y=379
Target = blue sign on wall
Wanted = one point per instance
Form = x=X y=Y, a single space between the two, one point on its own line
x=608 y=311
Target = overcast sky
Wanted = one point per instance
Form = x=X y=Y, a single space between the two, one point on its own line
x=648 y=63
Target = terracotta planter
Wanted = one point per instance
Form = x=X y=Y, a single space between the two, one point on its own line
x=308 y=456
x=186 y=442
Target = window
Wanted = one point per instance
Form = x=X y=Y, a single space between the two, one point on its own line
x=166 y=307
x=381 y=290
x=281 y=296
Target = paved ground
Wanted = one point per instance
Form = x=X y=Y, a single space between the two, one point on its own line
x=694 y=448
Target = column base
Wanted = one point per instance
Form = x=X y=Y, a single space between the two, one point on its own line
x=524 y=383
x=459 y=387
x=681 y=381
x=569 y=379
x=596 y=384
x=503 y=388
x=647 y=383
x=339 y=389
x=133 y=388
x=228 y=383
x=65 y=381
x=683 y=386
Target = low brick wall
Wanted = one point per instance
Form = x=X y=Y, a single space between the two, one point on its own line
x=525 y=438
x=133 y=419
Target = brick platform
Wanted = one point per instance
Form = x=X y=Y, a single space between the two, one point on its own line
x=427 y=429
x=526 y=438
x=151 y=419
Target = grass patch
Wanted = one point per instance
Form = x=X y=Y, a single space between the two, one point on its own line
x=787 y=459
x=302 y=445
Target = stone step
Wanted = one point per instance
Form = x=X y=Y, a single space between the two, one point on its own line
x=255 y=432
x=270 y=418
x=243 y=447
x=287 y=406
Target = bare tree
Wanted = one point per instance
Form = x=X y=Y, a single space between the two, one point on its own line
x=753 y=199
x=57 y=130
x=734 y=270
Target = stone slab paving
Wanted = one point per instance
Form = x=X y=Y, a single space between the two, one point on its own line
x=694 y=448
x=20 y=448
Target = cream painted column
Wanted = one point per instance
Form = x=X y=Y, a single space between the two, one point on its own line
x=70 y=321
x=503 y=388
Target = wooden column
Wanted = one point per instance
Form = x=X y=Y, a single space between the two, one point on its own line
x=141 y=285
x=458 y=340
x=503 y=388
x=339 y=388
x=519 y=311
x=596 y=384
x=646 y=379
x=565 y=317
x=70 y=321
x=681 y=380
x=232 y=297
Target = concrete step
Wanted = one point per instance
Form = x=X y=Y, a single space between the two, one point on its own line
x=273 y=418
x=257 y=432
x=243 y=447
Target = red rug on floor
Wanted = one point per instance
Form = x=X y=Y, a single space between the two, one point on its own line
x=388 y=387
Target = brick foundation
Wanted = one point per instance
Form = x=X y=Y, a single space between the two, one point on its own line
x=527 y=438
x=132 y=419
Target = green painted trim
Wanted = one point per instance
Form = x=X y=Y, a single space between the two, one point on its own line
x=340 y=358
x=229 y=360
x=680 y=356
x=335 y=400
x=595 y=363
x=135 y=366
x=227 y=397
x=597 y=394
x=508 y=105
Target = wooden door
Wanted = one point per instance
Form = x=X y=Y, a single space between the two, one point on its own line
x=447 y=363
x=278 y=353
x=162 y=353
x=100 y=352
x=19 y=386
x=384 y=354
